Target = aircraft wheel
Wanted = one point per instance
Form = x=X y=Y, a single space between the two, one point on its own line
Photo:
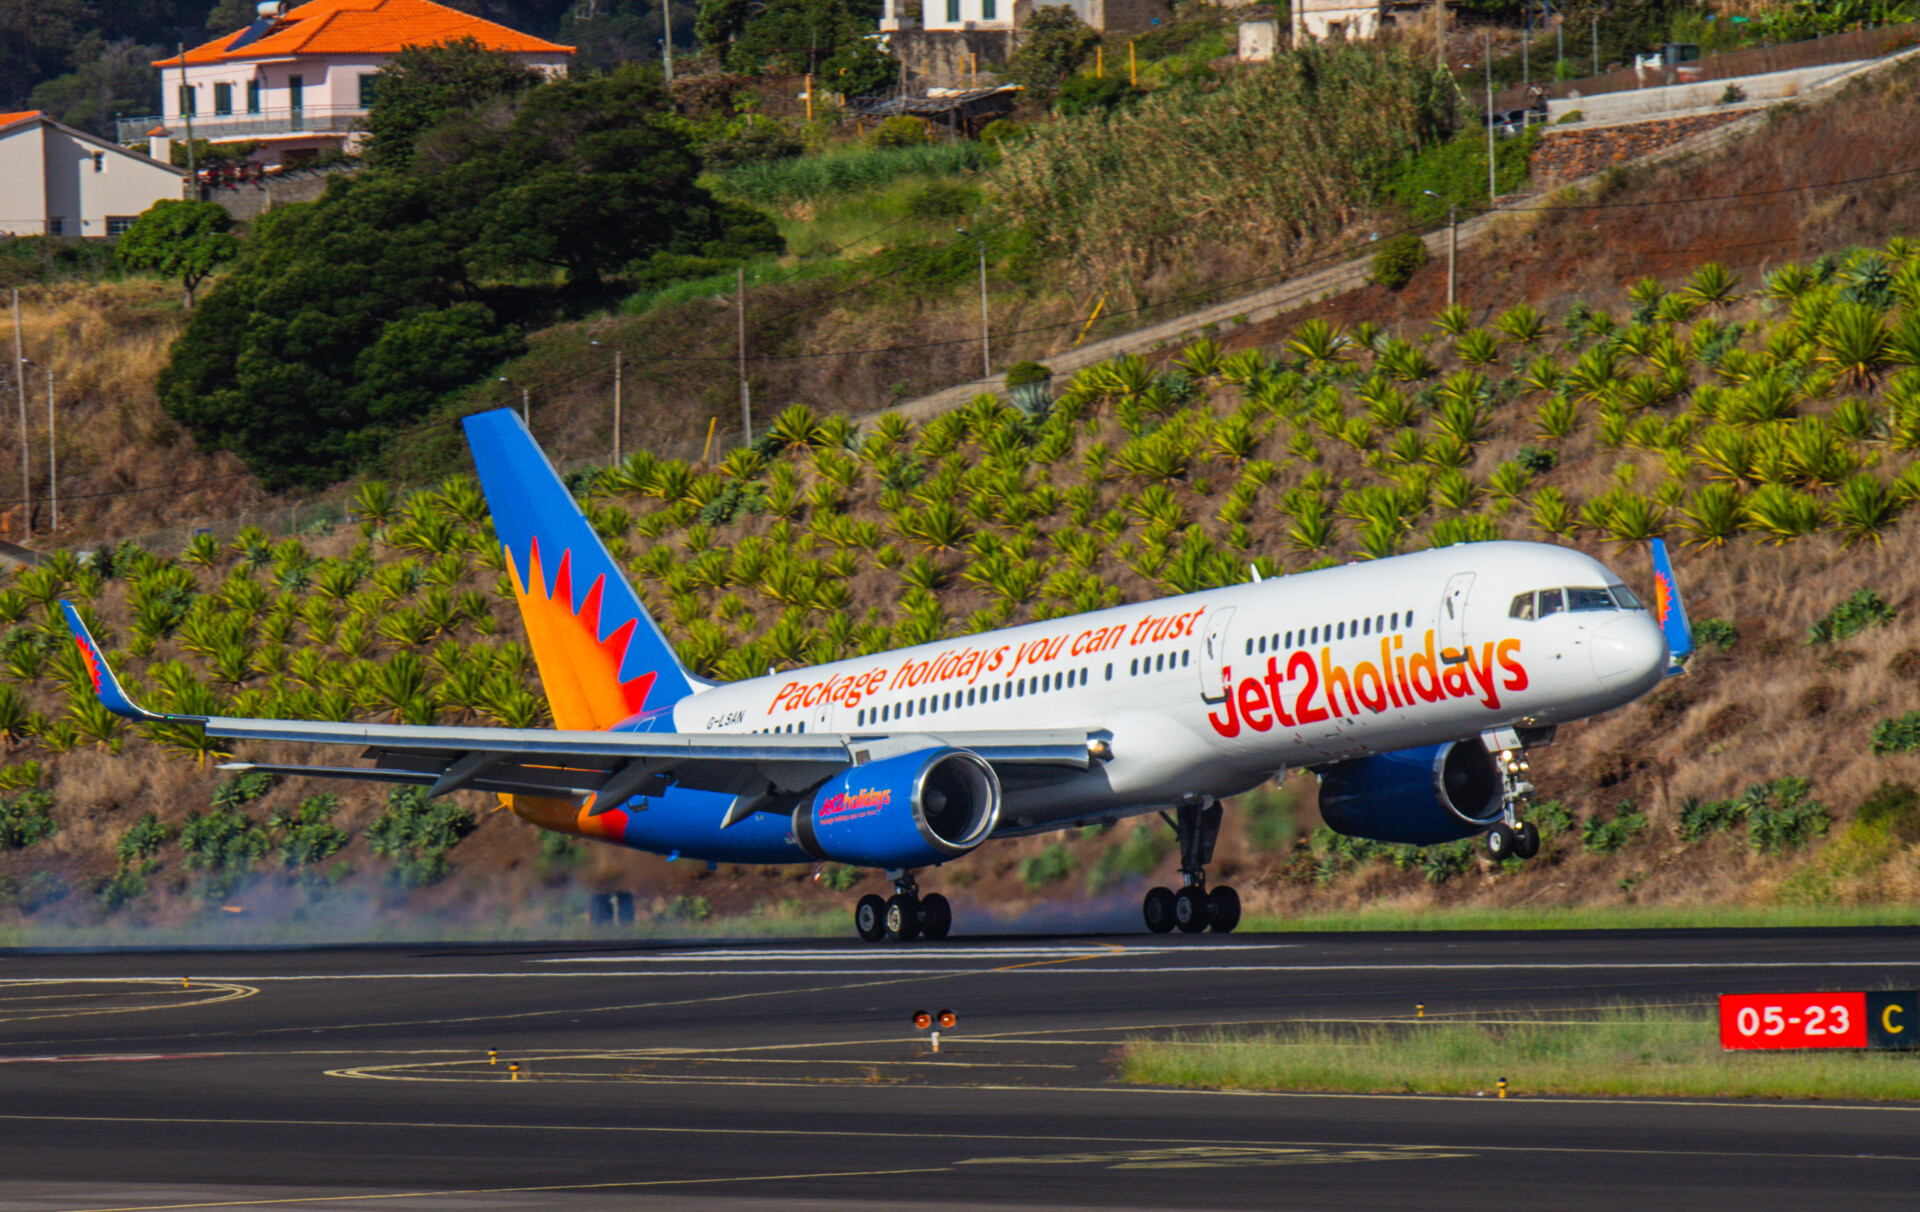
x=1190 y=911
x=1223 y=909
x=1158 y=910
x=1501 y=842
x=903 y=918
x=936 y=916
x=870 y=918
x=1527 y=843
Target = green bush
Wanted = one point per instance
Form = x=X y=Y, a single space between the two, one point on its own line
x=1551 y=818
x=1536 y=459
x=1139 y=854
x=1270 y=818
x=1699 y=817
x=1442 y=863
x=1721 y=633
x=1052 y=864
x=840 y=877
x=26 y=818
x=1860 y=611
x=122 y=886
x=1607 y=836
x=1781 y=816
x=1095 y=95
x=690 y=908
x=1893 y=806
x=307 y=832
x=1898 y=734
x=898 y=131
x=142 y=841
x=1022 y=373
x=1397 y=259
x=416 y=833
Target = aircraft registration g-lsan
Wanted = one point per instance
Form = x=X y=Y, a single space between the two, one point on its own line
x=1413 y=686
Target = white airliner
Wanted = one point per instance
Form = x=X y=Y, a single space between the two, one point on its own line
x=1413 y=686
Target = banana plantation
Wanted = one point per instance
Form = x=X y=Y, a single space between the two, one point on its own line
x=1717 y=412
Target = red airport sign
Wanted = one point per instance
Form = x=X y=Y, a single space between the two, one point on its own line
x=1819 y=1020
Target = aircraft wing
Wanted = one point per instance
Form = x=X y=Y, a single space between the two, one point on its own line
x=609 y=765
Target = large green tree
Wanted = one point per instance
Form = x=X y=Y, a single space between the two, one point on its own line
x=423 y=86
x=1058 y=44
x=588 y=176
x=344 y=319
x=184 y=240
x=789 y=35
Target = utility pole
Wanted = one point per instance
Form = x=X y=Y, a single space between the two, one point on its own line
x=20 y=388
x=746 y=408
x=666 y=54
x=1491 y=195
x=1596 y=46
x=526 y=407
x=1526 y=55
x=186 y=114
x=986 y=347
x=616 y=408
x=1453 y=242
x=53 y=464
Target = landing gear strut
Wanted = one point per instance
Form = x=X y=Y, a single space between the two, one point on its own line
x=1512 y=837
x=904 y=916
x=1194 y=908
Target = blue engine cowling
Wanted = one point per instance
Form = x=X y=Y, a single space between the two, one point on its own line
x=1420 y=797
x=909 y=811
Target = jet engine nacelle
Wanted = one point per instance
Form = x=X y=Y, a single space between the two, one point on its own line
x=908 y=811
x=1437 y=793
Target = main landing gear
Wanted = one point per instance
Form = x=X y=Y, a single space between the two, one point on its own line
x=1193 y=908
x=904 y=916
x=1512 y=837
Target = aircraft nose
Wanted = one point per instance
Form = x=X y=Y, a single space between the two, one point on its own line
x=1629 y=649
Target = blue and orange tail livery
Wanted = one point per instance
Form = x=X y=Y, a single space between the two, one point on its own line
x=1667 y=607
x=602 y=659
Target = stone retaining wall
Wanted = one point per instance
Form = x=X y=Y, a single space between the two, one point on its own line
x=1567 y=154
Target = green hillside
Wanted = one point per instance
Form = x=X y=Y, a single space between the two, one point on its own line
x=1768 y=427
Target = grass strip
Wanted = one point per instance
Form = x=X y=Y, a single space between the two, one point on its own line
x=1617 y=1051
x=1614 y=917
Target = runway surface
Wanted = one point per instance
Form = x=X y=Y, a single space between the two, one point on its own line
x=788 y=1075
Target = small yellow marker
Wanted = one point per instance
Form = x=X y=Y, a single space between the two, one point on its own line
x=515 y=1068
x=1420 y=1010
x=186 y=983
x=1502 y=1087
x=493 y=1056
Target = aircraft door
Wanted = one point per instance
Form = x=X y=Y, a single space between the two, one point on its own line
x=1213 y=659
x=822 y=716
x=1452 y=632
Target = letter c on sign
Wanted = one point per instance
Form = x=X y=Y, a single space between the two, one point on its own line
x=1886 y=1020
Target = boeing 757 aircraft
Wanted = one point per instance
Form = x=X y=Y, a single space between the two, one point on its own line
x=1413 y=686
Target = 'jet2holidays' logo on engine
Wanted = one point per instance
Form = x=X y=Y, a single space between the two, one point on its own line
x=860 y=803
x=1399 y=680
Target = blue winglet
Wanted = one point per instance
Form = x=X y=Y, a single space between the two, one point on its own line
x=108 y=687
x=1667 y=607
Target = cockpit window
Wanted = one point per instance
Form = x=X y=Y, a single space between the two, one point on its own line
x=1624 y=598
x=1551 y=602
x=1522 y=607
x=1583 y=598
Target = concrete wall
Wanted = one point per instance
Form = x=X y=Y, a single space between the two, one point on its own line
x=248 y=202
x=1259 y=40
x=1657 y=101
x=1335 y=19
x=940 y=58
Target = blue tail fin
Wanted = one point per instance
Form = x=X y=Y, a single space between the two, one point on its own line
x=1667 y=607
x=601 y=659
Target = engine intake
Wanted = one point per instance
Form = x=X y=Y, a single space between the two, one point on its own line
x=912 y=810
x=1419 y=797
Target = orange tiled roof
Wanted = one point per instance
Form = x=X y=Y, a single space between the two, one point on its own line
x=21 y=116
x=365 y=27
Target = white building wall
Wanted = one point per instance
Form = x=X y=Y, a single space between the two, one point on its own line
x=48 y=171
x=1335 y=19
x=966 y=14
x=23 y=181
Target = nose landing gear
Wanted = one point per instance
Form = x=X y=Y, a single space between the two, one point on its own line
x=1194 y=908
x=1512 y=837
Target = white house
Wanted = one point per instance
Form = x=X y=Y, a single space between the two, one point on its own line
x=298 y=79
x=58 y=181
x=959 y=15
